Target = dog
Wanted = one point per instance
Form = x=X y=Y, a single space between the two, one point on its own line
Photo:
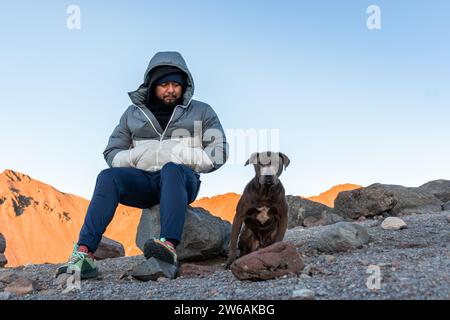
x=262 y=208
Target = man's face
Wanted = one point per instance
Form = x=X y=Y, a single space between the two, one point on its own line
x=169 y=93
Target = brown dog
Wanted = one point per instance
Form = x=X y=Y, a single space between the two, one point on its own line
x=262 y=207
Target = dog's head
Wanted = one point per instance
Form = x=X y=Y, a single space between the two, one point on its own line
x=268 y=166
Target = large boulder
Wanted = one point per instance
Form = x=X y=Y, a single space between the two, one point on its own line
x=410 y=200
x=276 y=260
x=364 y=202
x=385 y=199
x=307 y=213
x=342 y=236
x=2 y=244
x=204 y=236
x=109 y=249
x=439 y=188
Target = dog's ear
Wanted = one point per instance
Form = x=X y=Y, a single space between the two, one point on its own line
x=285 y=160
x=253 y=159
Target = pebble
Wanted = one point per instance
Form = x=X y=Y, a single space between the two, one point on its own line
x=393 y=223
x=303 y=294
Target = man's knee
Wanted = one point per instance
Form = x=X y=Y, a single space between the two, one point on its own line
x=108 y=174
x=171 y=168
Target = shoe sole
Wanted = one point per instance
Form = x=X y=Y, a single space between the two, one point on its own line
x=155 y=250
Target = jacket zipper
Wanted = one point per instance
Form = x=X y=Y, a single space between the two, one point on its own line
x=161 y=136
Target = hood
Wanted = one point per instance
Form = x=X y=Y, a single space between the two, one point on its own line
x=170 y=59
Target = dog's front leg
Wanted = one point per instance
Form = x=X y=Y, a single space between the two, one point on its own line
x=282 y=227
x=235 y=229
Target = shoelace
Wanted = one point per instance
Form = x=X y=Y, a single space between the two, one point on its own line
x=76 y=256
x=167 y=245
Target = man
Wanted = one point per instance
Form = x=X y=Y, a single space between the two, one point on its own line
x=155 y=154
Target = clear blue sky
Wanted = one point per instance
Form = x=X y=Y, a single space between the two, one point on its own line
x=352 y=105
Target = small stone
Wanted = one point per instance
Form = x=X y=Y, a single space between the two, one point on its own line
x=393 y=223
x=162 y=279
x=303 y=294
x=448 y=218
x=193 y=270
x=152 y=269
x=21 y=286
x=61 y=279
x=7 y=277
x=364 y=262
x=330 y=258
x=304 y=276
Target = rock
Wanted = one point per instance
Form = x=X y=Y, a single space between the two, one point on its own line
x=193 y=270
x=341 y=236
x=448 y=218
x=21 y=286
x=7 y=277
x=109 y=249
x=271 y=262
x=303 y=294
x=438 y=188
x=312 y=270
x=385 y=199
x=393 y=223
x=363 y=202
x=410 y=200
x=446 y=206
x=304 y=212
x=61 y=279
x=204 y=236
x=2 y=244
x=152 y=269
x=330 y=258
x=3 y=261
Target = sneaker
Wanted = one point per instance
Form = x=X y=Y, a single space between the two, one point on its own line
x=160 y=249
x=79 y=262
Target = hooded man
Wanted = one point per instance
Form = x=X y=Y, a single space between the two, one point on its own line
x=162 y=143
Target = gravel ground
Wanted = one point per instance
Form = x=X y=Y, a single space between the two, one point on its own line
x=414 y=264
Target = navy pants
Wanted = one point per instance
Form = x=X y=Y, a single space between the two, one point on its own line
x=173 y=187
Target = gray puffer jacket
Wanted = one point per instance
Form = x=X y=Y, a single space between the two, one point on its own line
x=193 y=136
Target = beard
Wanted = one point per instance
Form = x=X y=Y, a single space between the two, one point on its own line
x=171 y=103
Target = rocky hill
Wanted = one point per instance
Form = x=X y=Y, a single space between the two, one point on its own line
x=327 y=198
x=40 y=223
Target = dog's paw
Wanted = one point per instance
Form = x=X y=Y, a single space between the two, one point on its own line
x=228 y=263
